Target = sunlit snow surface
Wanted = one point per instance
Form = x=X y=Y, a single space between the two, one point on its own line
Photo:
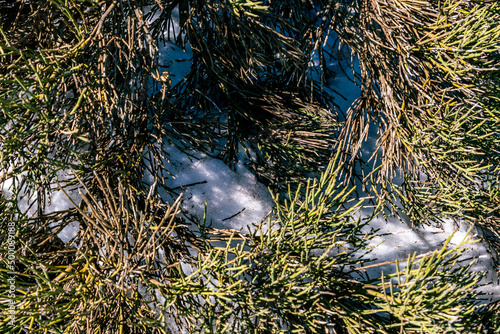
x=231 y=199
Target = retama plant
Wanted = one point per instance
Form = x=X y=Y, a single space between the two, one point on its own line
x=85 y=107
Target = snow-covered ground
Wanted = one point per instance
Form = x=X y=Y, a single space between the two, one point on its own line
x=235 y=200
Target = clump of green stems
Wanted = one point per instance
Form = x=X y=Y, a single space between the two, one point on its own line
x=77 y=114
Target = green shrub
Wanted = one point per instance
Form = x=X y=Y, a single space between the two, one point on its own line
x=75 y=81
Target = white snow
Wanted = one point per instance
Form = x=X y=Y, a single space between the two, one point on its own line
x=396 y=240
x=176 y=60
x=58 y=201
x=233 y=199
